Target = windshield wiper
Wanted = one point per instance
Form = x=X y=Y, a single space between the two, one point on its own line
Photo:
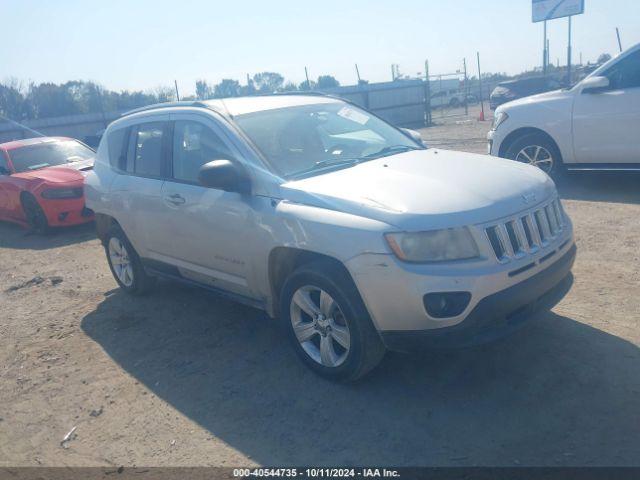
x=326 y=164
x=38 y=166
x=340 y=162
x=386 y=151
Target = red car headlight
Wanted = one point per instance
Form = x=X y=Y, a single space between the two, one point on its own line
x=62 y=193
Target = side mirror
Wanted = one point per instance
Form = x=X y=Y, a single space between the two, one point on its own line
x=413 y=135
x=595 y=84
x=224 y=175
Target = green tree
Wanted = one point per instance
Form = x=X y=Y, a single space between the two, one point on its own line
x=268 y=82
x=51 y=100
x=327 y=81
x=306 y=86
x=13 y=103
x=289 y=87
x=203 y=90
x=227 y=88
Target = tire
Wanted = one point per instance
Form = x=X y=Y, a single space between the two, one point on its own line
x=524 y=148
x=130 y=276
x=365 y=349
x=34 y=214
x=454 y=102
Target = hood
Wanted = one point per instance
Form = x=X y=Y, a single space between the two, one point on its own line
x=72 y=172
x=427 y=189
x=553 y=95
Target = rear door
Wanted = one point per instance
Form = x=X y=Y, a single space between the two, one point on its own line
x=606 y=124
x=137 y=191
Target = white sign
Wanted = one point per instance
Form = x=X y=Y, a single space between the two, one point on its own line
x=550 y=9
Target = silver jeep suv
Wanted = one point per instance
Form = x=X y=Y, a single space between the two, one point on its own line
x=351 y=231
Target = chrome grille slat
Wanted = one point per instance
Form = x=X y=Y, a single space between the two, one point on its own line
x=526 y=233
x=504 y=238
x=522 y=236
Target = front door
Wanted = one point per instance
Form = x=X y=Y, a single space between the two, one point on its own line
x=606 y=124
x=207 y=229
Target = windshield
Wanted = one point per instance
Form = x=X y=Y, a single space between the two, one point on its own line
x=310 y=139
x=33 y=157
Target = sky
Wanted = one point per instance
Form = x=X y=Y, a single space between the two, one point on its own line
x=144 y=44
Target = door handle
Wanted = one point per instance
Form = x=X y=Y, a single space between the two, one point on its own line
x=175 y=199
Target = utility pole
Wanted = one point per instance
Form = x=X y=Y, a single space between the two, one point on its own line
x=548 y=53
x=175 y=82
x=427 y=94
x=466 y=103
x=569 y=56
x=358 y=74
x=544 y=50
x=480 y=88
x=306 y=74
x=619 y=42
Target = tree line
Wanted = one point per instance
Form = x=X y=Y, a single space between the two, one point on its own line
x=20 y=101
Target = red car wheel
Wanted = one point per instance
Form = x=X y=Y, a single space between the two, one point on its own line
x=34 y=214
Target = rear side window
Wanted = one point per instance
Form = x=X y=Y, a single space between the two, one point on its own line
x=117 y=153
x=147 y=151
x=194 y=144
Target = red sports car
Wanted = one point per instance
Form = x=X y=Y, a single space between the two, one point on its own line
x=41 y=182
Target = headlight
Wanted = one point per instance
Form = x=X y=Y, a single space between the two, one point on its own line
x=62 y=193
x=499 y=119
x=433 y=246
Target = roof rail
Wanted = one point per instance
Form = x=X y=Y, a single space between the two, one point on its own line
x=154 y=106
x=311 y=93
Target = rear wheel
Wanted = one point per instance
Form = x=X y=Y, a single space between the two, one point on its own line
x=537 y=150
x=125 y=264
x=34 y=214
x=328 y=324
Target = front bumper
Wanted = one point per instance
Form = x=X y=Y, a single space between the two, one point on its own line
x=66 y=212
x=496 y=315
x=395 y=292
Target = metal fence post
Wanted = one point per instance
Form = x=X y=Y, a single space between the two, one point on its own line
x=427 y=94
x=465 y=100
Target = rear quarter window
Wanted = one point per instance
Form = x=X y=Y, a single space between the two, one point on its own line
x=116 y=146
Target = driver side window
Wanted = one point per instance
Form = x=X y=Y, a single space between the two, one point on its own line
x=194 y=144
x=625 y=73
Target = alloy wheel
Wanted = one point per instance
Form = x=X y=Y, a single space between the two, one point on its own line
x=537 y=156
x=320 y=326
x=119 y=258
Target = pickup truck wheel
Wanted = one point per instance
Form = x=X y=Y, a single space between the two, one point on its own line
x=328 y=324
x=537 y=150
x=125 y=264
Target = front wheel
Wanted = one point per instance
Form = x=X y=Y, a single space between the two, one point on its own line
x=125 y=264
x=537 y=150
x=328 y=324
x=33 y=212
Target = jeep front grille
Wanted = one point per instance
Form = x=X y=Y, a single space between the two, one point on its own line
x=525 y=234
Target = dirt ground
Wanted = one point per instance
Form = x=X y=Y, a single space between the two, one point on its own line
x=182 y=377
